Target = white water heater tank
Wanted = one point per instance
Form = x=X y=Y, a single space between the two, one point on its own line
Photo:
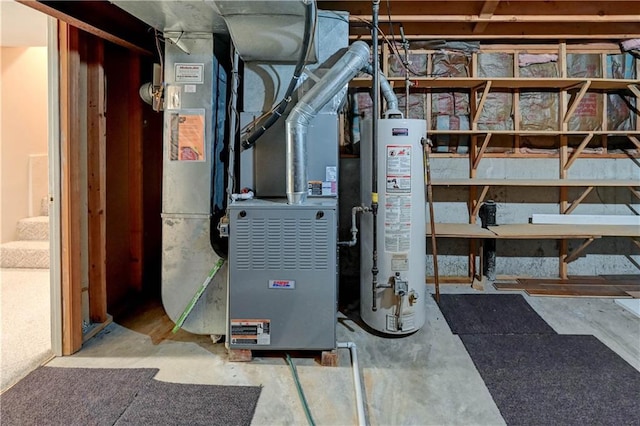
x=396 y=304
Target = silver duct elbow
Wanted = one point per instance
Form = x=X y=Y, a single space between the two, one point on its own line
x=385 y=88
x=347 y=67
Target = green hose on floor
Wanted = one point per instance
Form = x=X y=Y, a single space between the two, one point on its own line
x=307 y=412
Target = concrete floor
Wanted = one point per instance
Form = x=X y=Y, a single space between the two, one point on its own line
x=425 y=378
x=25 y=323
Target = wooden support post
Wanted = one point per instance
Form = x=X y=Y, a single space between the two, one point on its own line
x=96 y=176
x=136 y=208
x=70 y=204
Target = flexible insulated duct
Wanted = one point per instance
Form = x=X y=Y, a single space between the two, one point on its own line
x=347 y=67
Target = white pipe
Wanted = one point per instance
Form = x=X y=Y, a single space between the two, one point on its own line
x=356 y=379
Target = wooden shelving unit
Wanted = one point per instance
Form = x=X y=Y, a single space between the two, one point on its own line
x=570 y=144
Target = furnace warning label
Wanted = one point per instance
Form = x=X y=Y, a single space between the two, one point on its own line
x=397 y=223
x=250 y=332
x=398 y=168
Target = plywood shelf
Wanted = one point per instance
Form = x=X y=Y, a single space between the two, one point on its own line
x=538 y=182
x=533 y=231
x=467 y=83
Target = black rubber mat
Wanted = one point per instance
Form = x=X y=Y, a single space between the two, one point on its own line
x=556 y=379
x=491 y=314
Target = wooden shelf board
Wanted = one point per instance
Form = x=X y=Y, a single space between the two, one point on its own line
x=516 y=83
x=534 y=132
x=532 y=231
x=536 y=182
x=460 y=230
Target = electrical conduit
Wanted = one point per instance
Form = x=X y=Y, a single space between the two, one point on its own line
x=356 y=379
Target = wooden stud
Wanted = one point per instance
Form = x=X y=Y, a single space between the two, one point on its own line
x=70 y=203
x=136 y=207
x=96 y=176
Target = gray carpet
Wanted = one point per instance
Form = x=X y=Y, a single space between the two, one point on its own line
x=88 y=396
x=491 y=314
x=161 y=403
x=538 y=377
x=556 y=379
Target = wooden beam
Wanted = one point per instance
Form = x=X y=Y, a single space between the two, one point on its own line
x=487 y=12
x=577 y=152
x=478 y=202
x=574 y=254
x=634 y=140
x=101 y=19
x=576 y=101
x=96 y=176
x=136 y=207
x=485 y=94
x=70 y=203
x=483 y=148
x=501 y=18
x=577 y=202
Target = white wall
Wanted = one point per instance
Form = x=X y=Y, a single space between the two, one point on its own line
x=23 y=129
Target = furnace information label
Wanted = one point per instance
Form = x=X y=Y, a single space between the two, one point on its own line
x=397 y=223
x=398 y=168
x=250 y=332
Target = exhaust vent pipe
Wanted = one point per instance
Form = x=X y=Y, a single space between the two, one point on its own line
x=347 y=67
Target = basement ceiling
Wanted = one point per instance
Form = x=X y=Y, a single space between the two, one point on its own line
x=444 y=20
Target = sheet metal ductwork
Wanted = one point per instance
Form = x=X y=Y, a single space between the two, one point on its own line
x=266 y=31
x=347 y=67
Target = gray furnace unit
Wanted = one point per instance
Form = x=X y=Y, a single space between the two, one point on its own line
x=283 y=271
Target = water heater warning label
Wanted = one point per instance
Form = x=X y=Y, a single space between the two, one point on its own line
x=397 y=223
x=398 y=168
x=250 y=332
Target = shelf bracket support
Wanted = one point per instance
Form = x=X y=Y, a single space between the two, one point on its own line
x=578 y=200
x=634 y=140
x=483 y=99
x=577 y=152
x=635 y=192
x=636 y=241
x=478 y=202
x=576 y=101
x=483 y=148
x=634 y=89
x=576 y=253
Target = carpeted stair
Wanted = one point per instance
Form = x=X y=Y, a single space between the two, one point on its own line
x=31 y=249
